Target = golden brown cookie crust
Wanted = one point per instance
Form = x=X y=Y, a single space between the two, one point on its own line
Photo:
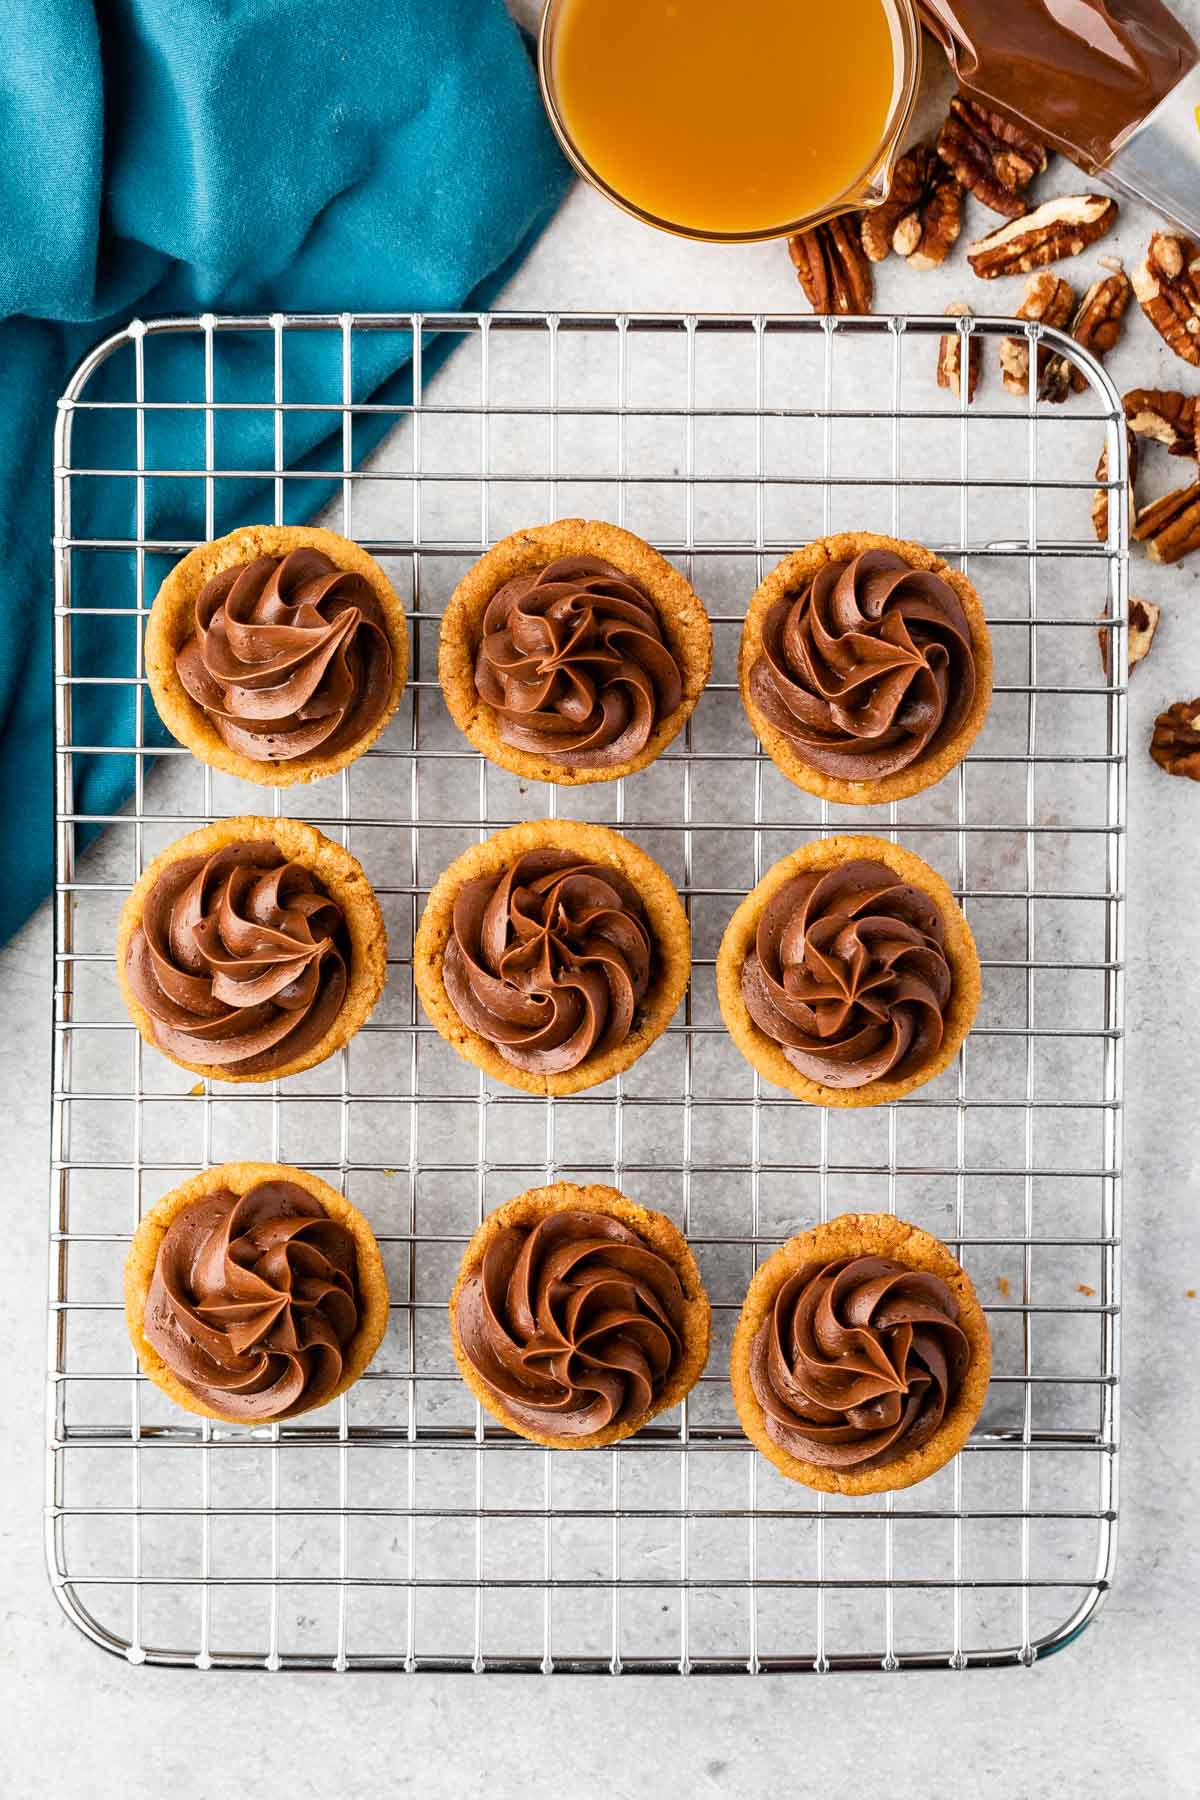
x=172 y=620
x=864 y=1234
x=684 y=622
x=656 y=1230
x=784 y=578
x=340 y=874
x=664 y=912
x=764 y=1053
x=239 y=1178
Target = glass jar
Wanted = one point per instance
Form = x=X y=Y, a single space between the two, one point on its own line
x=868 y=189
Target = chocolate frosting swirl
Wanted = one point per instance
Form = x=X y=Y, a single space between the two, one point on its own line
x=575 y=1324
x=549 y=960
x=867 y=668
x=849 y=974
x=241 y=959
x=253 y=1301
x=575 y=665
x=857 y=1361
x=290 y=655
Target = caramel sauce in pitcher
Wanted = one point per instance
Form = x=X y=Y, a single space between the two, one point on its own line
x=726 y=117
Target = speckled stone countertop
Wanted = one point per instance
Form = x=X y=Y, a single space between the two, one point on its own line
x=1113 y=1714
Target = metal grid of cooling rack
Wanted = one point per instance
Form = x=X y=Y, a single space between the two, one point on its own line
x=399 y=1529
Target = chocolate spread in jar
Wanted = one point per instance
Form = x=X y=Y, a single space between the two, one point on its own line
x=1087 y=76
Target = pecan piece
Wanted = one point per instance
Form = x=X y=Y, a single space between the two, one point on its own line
x=922 y=215
x=1168 y=417
x=1096 y=326
x=950 y=354
x=992 y=159
x=1167 y=285
x=1143 y=623
x=1050 y=300
x=1170 y=527
x=1100 y=497
x=1175 y=745
x=832 y=268
x=1060 y=228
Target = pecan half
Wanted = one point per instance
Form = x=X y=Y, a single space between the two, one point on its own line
x=1168 y=417
x=922 y=215
x=832 y=268
x=950 y=354
x=1096 y=326
x=1175 y=745
x=1100 y=497
x=992 y=159
x=1062 y=227
x=1170 y=527
x=1050 y=300
x=1143 y=623
x=1167 y=285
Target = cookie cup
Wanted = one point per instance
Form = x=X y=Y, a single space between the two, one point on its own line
x=342 y=877
x=681 y=613
x=656 y=1230
x=664 y=915
x=172 y=621
x=764 y=1054
x=864 y=1234
x=239 y=1178
x=784 y=579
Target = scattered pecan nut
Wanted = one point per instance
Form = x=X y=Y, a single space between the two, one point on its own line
x=1050 y=300
x=1100 y=497
x=922 y=215
x=1175 y=745
x=1062 y=227
x=1170 y=527
x=832 y=267
x=992 y=159
x=1096 y=326
x=1168 y=417
x=1143 y=623
x=950 y=355
x=1167 y=285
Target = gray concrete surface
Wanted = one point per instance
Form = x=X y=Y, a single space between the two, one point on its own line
x=1114 y=1714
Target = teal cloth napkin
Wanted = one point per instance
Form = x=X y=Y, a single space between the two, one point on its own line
x=246 y=156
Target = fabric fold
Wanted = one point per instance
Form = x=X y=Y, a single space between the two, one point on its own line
x=166 y=157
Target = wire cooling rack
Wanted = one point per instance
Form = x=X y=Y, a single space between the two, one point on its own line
x=399 y=1528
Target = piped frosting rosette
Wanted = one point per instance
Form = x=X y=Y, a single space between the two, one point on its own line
x=251 y=949
x=578 y=1315
x=552 y=955
x=865 y=667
